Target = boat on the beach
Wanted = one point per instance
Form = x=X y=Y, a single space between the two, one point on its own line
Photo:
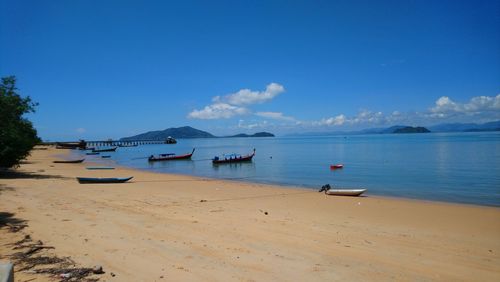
x=233 y=158
x=336 y=166
x=99 y=167
x=89 y=180
x=69 y=161
x=345 y=192
x=170 y=157
x=341 y=192
x=105 y=150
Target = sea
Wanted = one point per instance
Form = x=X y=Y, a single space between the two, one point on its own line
x=449 y=167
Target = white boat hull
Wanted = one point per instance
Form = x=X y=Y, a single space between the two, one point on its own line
x=345 y=192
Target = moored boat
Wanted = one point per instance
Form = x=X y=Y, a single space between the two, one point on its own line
x=170 y=140
x=337 y=166
x=90 y=180
x=170 y=157
x=69 y=161
x=90 y=154
x=233 y=158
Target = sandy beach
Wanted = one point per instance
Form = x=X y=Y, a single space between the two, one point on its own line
x=162 y=227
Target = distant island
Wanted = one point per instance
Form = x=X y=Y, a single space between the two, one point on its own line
x=410 y=129
x=445 y=127
x=258 y=134
x=179 y=132
x=185 y=132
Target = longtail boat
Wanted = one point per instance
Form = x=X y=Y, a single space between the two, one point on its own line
x=105 y=157
x=105 y=150
x=89 y=180
x=90 y=154
x=170 y=157
x=69 y=161
x=233 y=158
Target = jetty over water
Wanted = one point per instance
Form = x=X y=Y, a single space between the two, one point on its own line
x=82 y=144
x=124 y=143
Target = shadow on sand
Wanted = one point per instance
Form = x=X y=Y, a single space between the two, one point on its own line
x=14 y=224
x=12 y=174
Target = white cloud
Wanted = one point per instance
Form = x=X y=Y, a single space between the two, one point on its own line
x=481 y=108
x=249 y=97
x=242 y=124
x=233 y=104
x=275 y=115
x=332 y=121
x=218 y=111
x=366 y=116
x=445 y=107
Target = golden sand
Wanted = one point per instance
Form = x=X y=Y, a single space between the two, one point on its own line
x=162 y=227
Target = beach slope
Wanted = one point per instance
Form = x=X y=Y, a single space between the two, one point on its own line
x=181 y=228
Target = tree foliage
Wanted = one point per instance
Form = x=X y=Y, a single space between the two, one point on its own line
x=17 y=135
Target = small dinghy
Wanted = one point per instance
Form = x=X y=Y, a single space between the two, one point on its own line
x=105 y=157
x=341 y=192
x=91 y=154
x=337 y=166
x=90 y=180
x=69 y=161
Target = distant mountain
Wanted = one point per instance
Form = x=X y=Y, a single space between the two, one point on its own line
x=391 y=129
x=411 y=129
x=179 y=132
x=448 y=127
x=466 y=127
x=258 y=134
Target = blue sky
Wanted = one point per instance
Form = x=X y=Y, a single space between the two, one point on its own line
x=109 y=69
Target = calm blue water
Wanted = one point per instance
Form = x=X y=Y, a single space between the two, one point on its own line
x=453 y=167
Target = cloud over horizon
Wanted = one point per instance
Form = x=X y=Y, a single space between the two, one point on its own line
x=478 y=109
x=482 y=108
x=231 y=105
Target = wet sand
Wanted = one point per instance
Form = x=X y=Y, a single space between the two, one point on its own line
x=162 y=227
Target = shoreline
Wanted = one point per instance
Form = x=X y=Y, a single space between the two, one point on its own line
x=182 y=227
x=294 y=187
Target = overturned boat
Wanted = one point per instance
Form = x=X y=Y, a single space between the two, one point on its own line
x=69 y=161
x=90 y=180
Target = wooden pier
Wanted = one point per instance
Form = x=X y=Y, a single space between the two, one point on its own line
x=123 y=143
x=82 y=144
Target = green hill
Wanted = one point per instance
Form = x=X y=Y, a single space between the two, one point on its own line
x=411 y=129
x=258 y=134
x=179 y=132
